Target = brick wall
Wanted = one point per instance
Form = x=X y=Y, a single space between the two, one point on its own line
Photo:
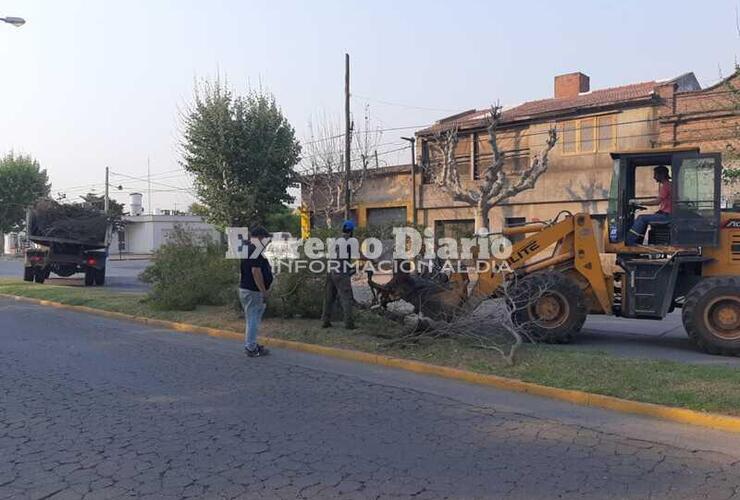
x=708 y=119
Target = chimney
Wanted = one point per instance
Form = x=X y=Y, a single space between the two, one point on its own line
x=571 y=84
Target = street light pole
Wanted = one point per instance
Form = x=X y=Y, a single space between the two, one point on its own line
x=15 y=21
x=412 y=140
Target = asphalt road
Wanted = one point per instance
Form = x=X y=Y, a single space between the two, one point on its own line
x=102 y=408
x=120 y=276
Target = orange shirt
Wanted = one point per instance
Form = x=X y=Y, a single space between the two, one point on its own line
x=666 y=200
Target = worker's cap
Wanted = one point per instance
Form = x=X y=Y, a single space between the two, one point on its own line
x=348 y=226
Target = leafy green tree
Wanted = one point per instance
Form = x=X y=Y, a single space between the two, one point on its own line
x=22 y=182
x=284 y=219
x=242 y=152
x=196 y=208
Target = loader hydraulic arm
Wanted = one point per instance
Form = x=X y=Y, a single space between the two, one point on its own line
x=574 y=246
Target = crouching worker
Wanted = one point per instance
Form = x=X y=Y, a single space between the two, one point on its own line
x=664 y=201
x=339 y=277
x=254 y=289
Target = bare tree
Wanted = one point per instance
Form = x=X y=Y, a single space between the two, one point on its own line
x=497 y=184
x=322 y=168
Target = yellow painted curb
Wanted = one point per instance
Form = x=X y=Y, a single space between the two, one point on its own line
x=682 y=415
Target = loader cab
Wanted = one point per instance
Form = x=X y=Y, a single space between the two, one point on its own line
x=695 y=189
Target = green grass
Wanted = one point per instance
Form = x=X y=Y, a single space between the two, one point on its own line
x=698 y=387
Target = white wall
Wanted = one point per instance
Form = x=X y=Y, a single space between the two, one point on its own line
x=145 y=233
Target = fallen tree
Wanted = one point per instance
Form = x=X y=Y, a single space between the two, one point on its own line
x=443 y=309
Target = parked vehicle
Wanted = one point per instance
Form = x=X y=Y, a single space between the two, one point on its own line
x=67 y=239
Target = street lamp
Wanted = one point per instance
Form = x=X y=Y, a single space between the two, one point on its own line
x=15 y=21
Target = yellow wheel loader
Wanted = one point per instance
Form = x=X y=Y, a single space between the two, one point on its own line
x=691 y=261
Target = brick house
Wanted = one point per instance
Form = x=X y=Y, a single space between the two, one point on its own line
x=591 y=124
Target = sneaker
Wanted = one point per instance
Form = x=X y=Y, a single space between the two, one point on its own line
x=256 y=352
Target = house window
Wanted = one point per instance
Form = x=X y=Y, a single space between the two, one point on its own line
x=463 y=152
x=386 y=216
x=426 y=168
x=587 y=129
x=607 y=133
x=460 y=228
x=513 y=222
x=570 y=140
x=589 y=135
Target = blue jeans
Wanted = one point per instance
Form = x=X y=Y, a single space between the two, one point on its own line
x=253 y=304
x=637 y=233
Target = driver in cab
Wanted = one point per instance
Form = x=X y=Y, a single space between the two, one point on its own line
x=664 y=202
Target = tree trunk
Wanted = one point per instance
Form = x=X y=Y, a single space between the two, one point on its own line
x=481 y=216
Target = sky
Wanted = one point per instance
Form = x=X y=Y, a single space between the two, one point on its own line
x=88 y=84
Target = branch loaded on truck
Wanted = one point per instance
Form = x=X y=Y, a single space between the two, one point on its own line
x=68 y=239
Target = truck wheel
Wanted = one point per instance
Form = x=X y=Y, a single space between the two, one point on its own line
x=550 y=307
x=39 y=276
x=27 y=274
x=89 y=276
x=711 y=315
x=100 y=277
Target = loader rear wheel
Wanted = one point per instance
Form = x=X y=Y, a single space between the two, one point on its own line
x=89 y=276
x=27 y=274
x=551 y=307
x=711 y=315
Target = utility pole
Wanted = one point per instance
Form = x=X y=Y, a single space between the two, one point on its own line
x=412 y=140
x=149 y=186
x=106 y=201
x=347 y=139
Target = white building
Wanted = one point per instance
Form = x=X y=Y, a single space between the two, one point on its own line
x=143 y=234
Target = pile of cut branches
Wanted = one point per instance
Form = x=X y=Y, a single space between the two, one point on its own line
x=50 y=219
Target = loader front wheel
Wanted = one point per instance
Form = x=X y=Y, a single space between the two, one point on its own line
x=711 y=315
x=550 y=308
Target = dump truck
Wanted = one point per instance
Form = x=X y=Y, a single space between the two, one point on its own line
x=690 y=261
x=67 y=239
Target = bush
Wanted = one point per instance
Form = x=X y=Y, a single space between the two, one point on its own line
x=297 y=294
x=188 y=271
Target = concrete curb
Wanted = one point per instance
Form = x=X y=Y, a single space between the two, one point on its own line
x=681 y=415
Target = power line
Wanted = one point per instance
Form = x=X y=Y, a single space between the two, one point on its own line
x=145 y=180
x=409 y=106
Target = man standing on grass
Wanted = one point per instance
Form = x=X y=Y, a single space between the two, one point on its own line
x=254 y=289
x=339 y=277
